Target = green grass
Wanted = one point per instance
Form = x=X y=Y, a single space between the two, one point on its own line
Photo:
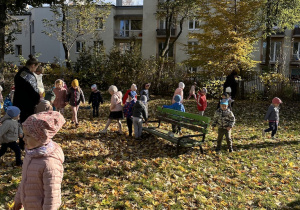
x=117 y=172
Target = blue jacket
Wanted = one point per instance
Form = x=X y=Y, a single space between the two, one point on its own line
x=176 y=106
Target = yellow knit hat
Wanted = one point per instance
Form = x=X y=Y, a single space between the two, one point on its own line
x=75 y=83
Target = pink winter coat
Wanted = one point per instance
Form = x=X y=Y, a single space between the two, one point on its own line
x=60 y=97
x=42 y=175
x=116 y=102
x=178 y=91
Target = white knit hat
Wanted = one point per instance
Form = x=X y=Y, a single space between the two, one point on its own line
x=181 y=85
x=228 y=90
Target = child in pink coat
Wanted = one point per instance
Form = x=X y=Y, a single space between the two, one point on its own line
x=42 y=170
x=60 y=100
x=179 y=91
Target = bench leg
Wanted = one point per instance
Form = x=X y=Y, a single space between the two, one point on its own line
x=201 y=149
x=178 y=147
x=203 y=138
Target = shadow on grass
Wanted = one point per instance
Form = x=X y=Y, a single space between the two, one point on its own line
x=293 y=205
x=275 y=143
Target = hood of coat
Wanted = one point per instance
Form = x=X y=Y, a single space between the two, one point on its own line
x=6 y=117
x=139 y=104
x=52 y=149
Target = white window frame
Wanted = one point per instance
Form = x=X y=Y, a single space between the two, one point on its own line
x=296 y=56
x=124 y=46
x=80 y=45
x=273 y=54
x=100 y=24
x=162 y=46
x=194 y=25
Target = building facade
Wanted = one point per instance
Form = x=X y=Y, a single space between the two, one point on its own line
x=125 y=23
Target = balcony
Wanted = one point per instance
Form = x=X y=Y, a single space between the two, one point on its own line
x=295 y=60
x=127 y=34
x=278 y=34
x=162 y=32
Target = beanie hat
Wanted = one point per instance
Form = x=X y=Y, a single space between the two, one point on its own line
x=204 y=90
x=228 y=90
x=13 y=111
x=177 y=98
x=132 y=94
x=276 y=100
x=43 y=106
x=133 y=87
x=44 y=125
x=112 y=89
x=94 y=87
x=75 y=83
x=181 y=85
x=224 y=102
x=143 y=98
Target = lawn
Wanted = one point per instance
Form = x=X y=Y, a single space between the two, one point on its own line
x=117 y=172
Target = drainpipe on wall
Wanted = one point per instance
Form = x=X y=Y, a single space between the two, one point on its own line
x=30 y=34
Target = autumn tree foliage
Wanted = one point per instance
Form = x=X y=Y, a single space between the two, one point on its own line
x=228 y=30
x=74 y=21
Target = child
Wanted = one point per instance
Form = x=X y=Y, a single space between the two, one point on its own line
x=11 y=94
x=225 y=120
x=176 y=106
x=75 y=96
x=43 y=106
x=95 y=99
x=10 y=131
x=139 y=112
x=145 y=91
x=115 y=108
x=132 y=88
x=201 y=101
x=39 y=78
x=179 y=91
x=273 y=117
x=42 y=170
x=128 y=110
x=228 y=98
x=60 y=100
x=50 y=96
x=42 y=93
x=192 y=91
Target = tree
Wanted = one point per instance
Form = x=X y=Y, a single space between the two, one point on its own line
x=278 y=15
x=229 y=28
x=74 y=21
x=174 y=13
x=12 y=6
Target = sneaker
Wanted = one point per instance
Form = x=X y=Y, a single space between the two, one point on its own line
x=274 y=138
x=263 y=133
x=103 y=131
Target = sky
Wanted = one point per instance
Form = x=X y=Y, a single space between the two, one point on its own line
x=136 y=2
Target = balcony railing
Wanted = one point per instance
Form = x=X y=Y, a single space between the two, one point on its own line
x=162 y=32
x=296 y=31
x=125 y=34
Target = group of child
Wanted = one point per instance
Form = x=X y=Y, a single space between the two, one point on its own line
x=41 y=188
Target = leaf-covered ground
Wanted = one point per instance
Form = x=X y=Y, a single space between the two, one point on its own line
x=117 y=172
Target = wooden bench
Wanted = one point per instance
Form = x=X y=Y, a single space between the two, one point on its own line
x=190 y=121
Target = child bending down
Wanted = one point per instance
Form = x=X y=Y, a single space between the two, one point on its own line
x=42 y=170
x=10 y=131
x=225 y=120
x=128 y=108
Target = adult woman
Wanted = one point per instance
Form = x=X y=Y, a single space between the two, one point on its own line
x=232 y=83
x=26 y=95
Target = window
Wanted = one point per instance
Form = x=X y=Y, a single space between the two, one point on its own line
x=18 y=27
x=32 y=26
x=98 y=46
x=192 y=69
x=191 y=46
x=124 y=46
x=32 y=49
x=79 y=46
x=295 y=75
x=275 y=53
x=99 y=23
x=163 y=24
x=194 y=24
x=18 y=50
x=160 y=48
x=296 y=51
x=129 y=25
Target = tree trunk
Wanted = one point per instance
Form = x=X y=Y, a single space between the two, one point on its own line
x=2 y=35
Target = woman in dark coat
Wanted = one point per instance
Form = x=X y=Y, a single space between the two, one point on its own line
x=26 y=95
x=230 y=82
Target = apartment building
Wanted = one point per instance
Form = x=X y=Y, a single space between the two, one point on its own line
x=139 y=22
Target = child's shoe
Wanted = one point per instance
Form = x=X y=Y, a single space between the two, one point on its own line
x=263 y=134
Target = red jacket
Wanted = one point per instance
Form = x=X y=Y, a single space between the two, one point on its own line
x=126 y=96
x=201 y=101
